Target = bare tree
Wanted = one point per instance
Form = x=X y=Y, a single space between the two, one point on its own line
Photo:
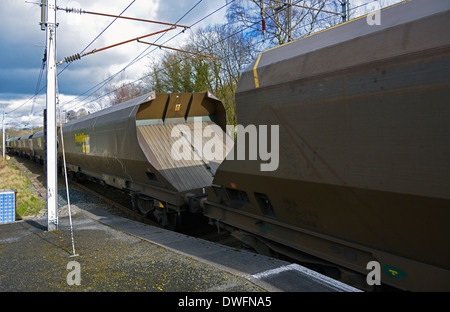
x=236 y=50
x=183 y=72
x=281 y=21
x=117 y=92
x=127 y=92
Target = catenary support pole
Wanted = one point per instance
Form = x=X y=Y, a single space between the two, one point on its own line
x=52 y=187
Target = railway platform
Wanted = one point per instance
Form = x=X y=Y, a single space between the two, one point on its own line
x=113 y=253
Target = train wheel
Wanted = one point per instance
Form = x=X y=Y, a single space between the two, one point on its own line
x=154 y=209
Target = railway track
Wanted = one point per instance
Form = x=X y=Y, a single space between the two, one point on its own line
x=116 y=202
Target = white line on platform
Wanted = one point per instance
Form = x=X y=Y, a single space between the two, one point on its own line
x=339 y=286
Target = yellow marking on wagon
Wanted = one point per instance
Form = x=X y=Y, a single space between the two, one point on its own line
x=83 y=140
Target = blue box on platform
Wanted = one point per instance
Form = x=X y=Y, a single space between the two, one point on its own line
x=7 y=206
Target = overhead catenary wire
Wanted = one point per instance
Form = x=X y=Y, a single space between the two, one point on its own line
x=78 y=56
x=179 y=50
x=130 y=40
x=140 y=56
x=80 y=11
x=98 y=36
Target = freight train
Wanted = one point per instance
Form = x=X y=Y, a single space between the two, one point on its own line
x=128 y=146
x=362 y=182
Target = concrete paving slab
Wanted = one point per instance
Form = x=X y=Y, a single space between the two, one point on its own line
x=118 y=254
x=253 y=267
x=110 y=260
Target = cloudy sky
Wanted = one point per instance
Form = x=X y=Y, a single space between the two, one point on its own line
x=22 y=47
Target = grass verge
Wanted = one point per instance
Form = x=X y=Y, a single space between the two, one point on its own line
x=28 y=203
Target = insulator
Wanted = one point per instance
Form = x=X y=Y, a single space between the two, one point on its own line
x=73 y=10
x=43 y=14
x=72 y=58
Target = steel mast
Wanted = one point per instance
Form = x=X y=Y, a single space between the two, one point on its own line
x=52 y=186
